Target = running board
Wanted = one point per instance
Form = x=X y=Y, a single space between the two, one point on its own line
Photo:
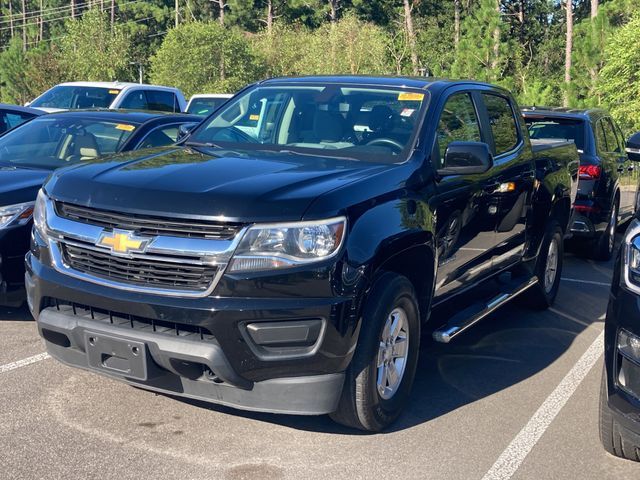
x=472 y=315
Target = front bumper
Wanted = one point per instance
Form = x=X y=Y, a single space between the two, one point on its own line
x=623 y=312
x=209 y=356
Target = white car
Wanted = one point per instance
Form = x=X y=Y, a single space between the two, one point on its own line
x=205 y=103
x=133 y=96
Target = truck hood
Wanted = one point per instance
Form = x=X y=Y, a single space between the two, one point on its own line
x=19 y=185
x=196 y=182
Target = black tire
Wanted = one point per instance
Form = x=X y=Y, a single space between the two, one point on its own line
x=541 y=297
x=361 y=405
x=615 y=439
x=604 y=244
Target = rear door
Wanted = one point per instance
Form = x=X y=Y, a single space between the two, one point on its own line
x=512 y=183
x=464 y=204
x=623 y=166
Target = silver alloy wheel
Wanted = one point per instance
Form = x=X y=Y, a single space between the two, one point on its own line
x=392 y=353
x=551 y=268
x=612 y=228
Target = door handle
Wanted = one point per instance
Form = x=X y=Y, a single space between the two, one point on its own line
x=620 y=169
x=630 y=169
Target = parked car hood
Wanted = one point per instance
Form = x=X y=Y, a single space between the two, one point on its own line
x=19 y=185
x=195 y=182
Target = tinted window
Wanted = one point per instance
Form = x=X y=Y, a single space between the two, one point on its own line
x=351 y=122
x=70 y=97
x=160 y=137
x=550 y=128
x=503 y=123
x=601 y=139
x=458 y=122
x=135 y=101
x=160 y=100
x=54 y=142
x=204 y=106
x=612 y=139
x=12 y=120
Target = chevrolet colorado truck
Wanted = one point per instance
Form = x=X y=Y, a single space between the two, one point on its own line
x=286 y=255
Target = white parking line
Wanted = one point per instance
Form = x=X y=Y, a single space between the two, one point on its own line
x=24 y=362
x=513 y=456
x=588 y=282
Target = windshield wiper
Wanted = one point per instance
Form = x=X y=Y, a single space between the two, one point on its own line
x=202 y=144
x=320 y=155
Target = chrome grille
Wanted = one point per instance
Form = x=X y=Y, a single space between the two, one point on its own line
x=158 y=271
x=149 y=225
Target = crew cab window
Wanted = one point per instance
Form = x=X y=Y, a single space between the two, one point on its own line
x=502 y=121
x=458 y=122
x=11 y=120
x=135 y=101
x=161 y=100
x=160 y=137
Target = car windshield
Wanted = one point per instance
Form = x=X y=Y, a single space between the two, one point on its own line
x=51 y=143
x=205 y=105
x=356 y=123
x=70 y=97
x=557 y=129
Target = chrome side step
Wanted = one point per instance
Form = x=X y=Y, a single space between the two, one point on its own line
x=470 y=316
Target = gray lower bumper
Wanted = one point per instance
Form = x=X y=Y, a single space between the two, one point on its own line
x=175 y=366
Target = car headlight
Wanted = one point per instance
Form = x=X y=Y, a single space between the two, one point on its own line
x=13 y=215
x=270 y=247
x=40 y=214
x=631 y=257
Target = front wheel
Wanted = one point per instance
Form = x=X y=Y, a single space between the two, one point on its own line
x=548 y=269
x=380 y=376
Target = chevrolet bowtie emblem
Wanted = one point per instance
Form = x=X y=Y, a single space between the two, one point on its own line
x=123 y=241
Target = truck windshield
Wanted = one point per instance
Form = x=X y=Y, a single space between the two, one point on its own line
x=51 y=143
x=548 y=128
x=69 y=97
x=357 y=123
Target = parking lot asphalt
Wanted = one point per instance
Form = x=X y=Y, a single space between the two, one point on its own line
x=516 y=397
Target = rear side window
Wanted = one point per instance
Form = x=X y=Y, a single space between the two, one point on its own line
x=160 y=100
x=502 y=121
x=135 y=101
x=612 y=140
x=601 y=139
x=458 y=122
x=160 y=137
x=11 y=120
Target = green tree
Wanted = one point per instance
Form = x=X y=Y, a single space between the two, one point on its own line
x=92 y=51
x=620 y=77
x=202 y=57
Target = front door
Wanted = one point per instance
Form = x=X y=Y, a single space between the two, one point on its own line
x=463 y=204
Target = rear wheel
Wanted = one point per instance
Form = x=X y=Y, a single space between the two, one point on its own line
x=380 y=376
x=548 y=269
x=615 y=439
x=605 y=243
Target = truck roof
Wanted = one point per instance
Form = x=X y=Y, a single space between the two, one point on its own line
x=115 y=85
x=135 y=116
x=383 y=81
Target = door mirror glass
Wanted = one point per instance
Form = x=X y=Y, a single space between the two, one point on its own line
x=466 y=158
x=633 y=147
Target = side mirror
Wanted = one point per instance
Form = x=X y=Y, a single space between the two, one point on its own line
x=185 y=129
x=466 y=158
x=633 y=147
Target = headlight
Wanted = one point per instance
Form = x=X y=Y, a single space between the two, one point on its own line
x=40 y=214
x=18 y=214
x=270 y=247
x=631 y=257
x=629 y=345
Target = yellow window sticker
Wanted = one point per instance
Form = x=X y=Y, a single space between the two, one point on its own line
x=254 y=118
x=114 y=92
x=125 y=127
x=410 y=96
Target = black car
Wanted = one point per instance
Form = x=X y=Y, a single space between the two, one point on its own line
x=13 y=115
x=30 y=152
x=608 y=187
x=285 y=256
x=620 y=392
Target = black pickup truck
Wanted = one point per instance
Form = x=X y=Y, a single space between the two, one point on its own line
x=286 y=256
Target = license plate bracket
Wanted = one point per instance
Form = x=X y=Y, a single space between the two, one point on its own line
x=116 y=355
